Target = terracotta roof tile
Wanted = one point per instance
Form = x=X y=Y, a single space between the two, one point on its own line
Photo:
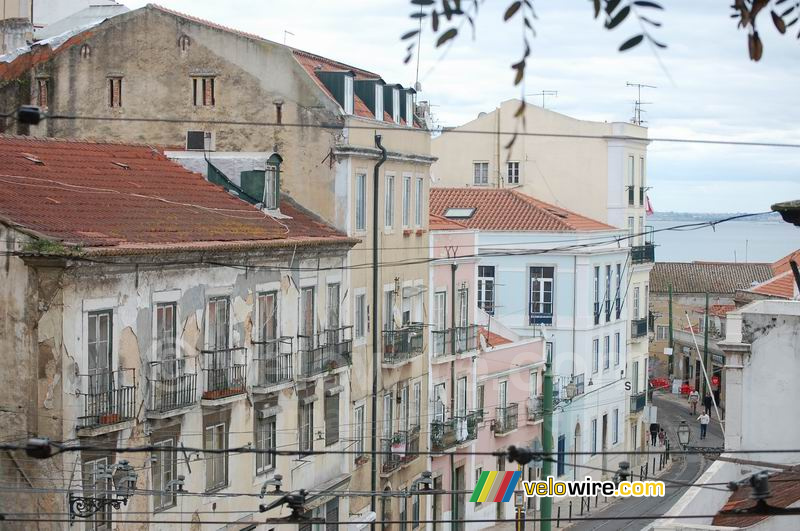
x=492 y=339
x=781 y=286
x=782 y=265
x=497 y=209
x=710 y=277
x=208 y=23
x=131 y=196
x=442 y=223
x=785 y=490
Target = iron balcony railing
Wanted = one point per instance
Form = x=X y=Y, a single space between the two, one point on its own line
x=466 y=339
x=272 y=362
x=641 y=254
x=324 y=351
x=639 y=327
x=402 y=344
x=170 y=385
x=446 y=434
x=536 y=316
x=505 y=419
x=638 y=401
x=224 y=372
x=108 y=397
x=535 y=408
x=392 y=453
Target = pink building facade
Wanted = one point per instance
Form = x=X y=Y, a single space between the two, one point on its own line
x=485 y=382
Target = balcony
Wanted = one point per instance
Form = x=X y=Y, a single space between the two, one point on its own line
x=400 y=449
x=535 y=409
x=638 y=401
x=536 y=316
x=638 y=327
x=108 y=399
x=171 y=387
x=403 y=344
x=505 y=419
x=465 y=339
x=447 y=434
x=642 y=254
x=325 y=351
x=272 y=363
x=224 y=372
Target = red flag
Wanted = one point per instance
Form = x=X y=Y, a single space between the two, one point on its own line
x=648 y=208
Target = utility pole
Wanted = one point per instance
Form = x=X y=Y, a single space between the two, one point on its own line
x=637 y=107
x=547 y=442
x=671 y=345
x=705 y=349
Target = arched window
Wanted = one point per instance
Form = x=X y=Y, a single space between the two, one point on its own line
x=86 y=51
x=184 y=42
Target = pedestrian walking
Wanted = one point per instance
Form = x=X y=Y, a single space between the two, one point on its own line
x=707 y=403
x=662 y=436
x=704 y=420
x=694 y=398
x=654 y=427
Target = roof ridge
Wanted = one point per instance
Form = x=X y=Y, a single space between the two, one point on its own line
x=209 y=23
x=313 y=55
x=545 y=205
x=82 y=141
x=530 y=201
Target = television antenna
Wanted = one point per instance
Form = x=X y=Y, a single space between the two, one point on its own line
x=544 y=94
x=637 y=106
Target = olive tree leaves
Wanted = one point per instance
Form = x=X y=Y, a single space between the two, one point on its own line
x=616 y=12
x=747 y=11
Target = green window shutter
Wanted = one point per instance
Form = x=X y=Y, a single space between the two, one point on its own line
x=253 y=183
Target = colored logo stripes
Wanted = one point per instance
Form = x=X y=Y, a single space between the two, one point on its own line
x=495 y=487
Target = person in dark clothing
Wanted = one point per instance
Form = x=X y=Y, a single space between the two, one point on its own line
x=654 y=428
x=708 y=403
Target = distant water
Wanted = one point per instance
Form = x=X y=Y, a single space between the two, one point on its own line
x=751 y=241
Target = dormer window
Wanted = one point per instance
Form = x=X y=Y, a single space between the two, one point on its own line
x=409 y=109
x=271 y=187
x=396 y=105
x=348 y=94
x=378 y=102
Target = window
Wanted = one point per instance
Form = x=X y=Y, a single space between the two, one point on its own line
x=641 y=177
x=388 y=425
x=615 y=426
x=534 y=391
x=631 y=230
x=306 y=426
x=480 y=172
x=406 y=201
x=115 y=92
x=606 y=351
x=617 y=348
x=271 y=187
x=216 y=438
x=388 y=310
x=596 y=295
x=164 y=470
x=631 y=180
x=396 y=106
x=593 y=435
x=409 y=109
x=502 y=400
x=97 y=484
x=635 y=378
x=461 y=397
x=264 y=438
x=331 y=419
x=358 y=432
x=378 y=102
x=267 y=316
x=662 y=332
x=165 y=332
x=645 y=307
x=561 y=455
x=100 y=359
x=420 y=205
x=42 y=93
x=641 y=230
x=480 y=400
x=203 y=91
x=438 y=404
x=486 y=289
x=361 y=201
x=334 y=303
x=595 y=354
x=478 y=472
x=348 y=94
x=403 y=408
x=218 y=323
x=607 y=297
x=512 y=172
x=463 y=306
x=389 y=202
x=332 y=514
x=541 y=282
x=415 y=511
x=548 y=350
x=416 y=405
x=636 y=302
x=360 y=315
x=617 y=303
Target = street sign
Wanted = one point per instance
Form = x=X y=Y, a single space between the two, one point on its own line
x=667 y=351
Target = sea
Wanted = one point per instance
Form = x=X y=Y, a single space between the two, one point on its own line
x=732 y=241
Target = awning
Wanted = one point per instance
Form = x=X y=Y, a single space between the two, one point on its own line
x=321 y=496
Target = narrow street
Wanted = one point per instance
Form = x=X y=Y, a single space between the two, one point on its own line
x=671 y=411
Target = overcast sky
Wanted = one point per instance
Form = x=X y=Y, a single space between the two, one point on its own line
x=707 y=86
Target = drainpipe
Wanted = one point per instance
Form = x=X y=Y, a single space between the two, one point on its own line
x=374 y=429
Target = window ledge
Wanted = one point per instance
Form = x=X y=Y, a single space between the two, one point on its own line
x=407 y=232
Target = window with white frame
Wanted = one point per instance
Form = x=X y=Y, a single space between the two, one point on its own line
x=419 y=192
x=331 y=419
x=541 y=295
x=306 y=425
x=595 y=354
x=618 y=302
x=662 y=332
x=379 y=102
x=164 y=471
x=512 y=172
x=631 y=230
x=358 y=432
x=406 y=201
x=396 y=106
x=388 y=310
x=617 y=347
x=615 y=426
x=388 y=425
x=439 y=321
x=348 y=94
x=636 y=302
x=97 y=484
x=216 y=438
x=439 y=402
x=606 y=351
x=360 y=314
x=480 y=400
x=218 y=323
x=593 y=442
x=641 y=230
x=534 y=390
x=486 y=289
x=607 y=296
x=416 y=404
x=361 y=201
x=389 y=202
x=264 y=439
x=596 y=295
x=480 y=173
x=409 y=109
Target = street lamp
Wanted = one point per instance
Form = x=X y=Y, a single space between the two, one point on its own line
x=684 y=434
x=123 y=479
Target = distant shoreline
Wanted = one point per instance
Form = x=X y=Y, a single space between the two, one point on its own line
x=710 y=216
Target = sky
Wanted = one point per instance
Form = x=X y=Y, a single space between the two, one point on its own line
x=706 y=85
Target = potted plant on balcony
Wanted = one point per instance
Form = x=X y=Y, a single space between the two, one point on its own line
x=109 y=418
x=398 y=444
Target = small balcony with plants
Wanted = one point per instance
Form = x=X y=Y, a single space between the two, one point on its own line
x=171 y=388
x=324 y=351
x=224 y=371
x=456 y=431
x=272 y=364
x=505 y=419
x=401 y=345
x=454 y=341
x=108 y=400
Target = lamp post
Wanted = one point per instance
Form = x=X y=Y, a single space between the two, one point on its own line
x=123 y=479
x=684 y=434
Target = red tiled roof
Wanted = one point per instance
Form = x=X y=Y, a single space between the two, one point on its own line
x=492 y=339
x=782 y=265
x=498 y=209
x=721 y=310
x=781 y=286
x=785 y=490
x=208 y=23
x=442 y=223
x=122 y=196
x=706 y=277
x=38 y=54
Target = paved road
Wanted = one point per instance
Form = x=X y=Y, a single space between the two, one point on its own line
x=671 y=410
